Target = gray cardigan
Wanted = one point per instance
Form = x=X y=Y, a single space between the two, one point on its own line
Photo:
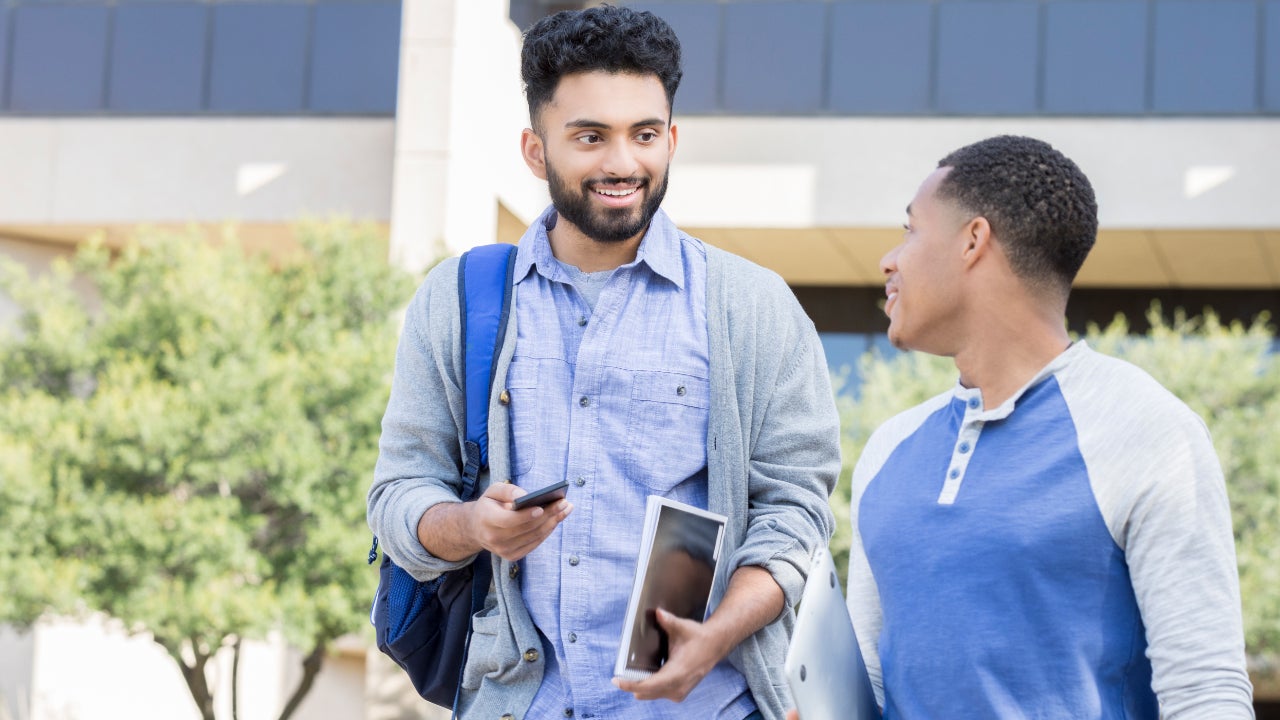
x=773 y=455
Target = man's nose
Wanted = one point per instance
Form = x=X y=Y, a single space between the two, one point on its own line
x=889 y=263
x=620 y=161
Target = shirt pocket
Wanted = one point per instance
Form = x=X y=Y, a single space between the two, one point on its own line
x=522 y=385
x=666 y=429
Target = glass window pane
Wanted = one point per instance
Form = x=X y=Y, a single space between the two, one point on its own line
x=880 y=57
x=1271 y=56
x=59 y=58
x=987 y=57
x=259 y=57
x=4 y=57
x=773 y=57
x=1205 y=56
x=355 y=58
x=157 y=58
x=1095 y=57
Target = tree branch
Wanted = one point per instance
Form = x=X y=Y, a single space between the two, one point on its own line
x=310 y=668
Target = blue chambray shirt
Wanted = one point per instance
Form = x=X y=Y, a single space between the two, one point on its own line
x=616 y=401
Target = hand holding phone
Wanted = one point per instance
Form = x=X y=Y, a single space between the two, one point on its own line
x=542 y=497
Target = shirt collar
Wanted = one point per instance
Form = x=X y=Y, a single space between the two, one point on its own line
x=659 y=249
x=1006 y=408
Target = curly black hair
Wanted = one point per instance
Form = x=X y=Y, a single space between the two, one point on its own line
x=1040 y=205
x=605 y=37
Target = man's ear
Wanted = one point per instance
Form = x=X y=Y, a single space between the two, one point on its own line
x=534 y=152
x=674 y=134
x=978 y=241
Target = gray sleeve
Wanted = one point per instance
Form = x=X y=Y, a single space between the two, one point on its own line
x=1166 y=507
x=419 y=452
x=793 y=436
x=863 y=594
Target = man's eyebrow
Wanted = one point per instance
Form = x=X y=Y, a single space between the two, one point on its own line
x=587 y=123
x=600 y=125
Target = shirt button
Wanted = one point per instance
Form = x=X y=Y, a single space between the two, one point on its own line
x=580 y=481
x=508 y=716
x=582 y=320
x=513 y=571
x=964 y=447
x=573 y=560
x=680 y=391
x=955 y=473
x=568 y=712
x=974 y=403
x=504 y=397
x=583 y=401
x=531 y=655
x=573 y=637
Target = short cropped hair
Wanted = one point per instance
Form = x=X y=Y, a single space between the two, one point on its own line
x=605 y=38
x=1040 y=205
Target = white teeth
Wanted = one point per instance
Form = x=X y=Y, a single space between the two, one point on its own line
x=616 y=193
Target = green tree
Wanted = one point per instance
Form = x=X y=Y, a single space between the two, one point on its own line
x=1226 y=373
x=190 y=454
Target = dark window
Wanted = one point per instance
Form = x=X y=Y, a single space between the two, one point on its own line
x=987 y=58
x=158 y=56
x=1205 y=56
x=773 y=57
x=259 y=57
x=881 y=55
x=353 y=68
x=58 y=58
x=698 y=27
x=1095 y=57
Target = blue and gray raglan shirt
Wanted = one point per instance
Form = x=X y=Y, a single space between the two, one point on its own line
x=1067 y=554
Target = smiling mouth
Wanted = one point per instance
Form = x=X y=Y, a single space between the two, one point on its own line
x=616 y=192
x=890 y=299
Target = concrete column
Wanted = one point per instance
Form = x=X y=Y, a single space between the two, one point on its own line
x=458 y=120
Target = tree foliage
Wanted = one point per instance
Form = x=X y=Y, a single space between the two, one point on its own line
x=189 y=452
x=1226 y=373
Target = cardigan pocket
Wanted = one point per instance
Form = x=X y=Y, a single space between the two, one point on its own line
x=493 y=648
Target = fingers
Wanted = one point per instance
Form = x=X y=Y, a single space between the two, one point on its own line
x=793 y=715
x=512 y=534
x=683 y=670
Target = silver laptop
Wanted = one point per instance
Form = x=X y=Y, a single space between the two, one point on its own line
x=824 y=664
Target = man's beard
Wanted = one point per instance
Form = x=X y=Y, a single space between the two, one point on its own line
x=608 y=225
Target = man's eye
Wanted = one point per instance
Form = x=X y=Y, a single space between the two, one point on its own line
x=590 y=139
x=647 y=136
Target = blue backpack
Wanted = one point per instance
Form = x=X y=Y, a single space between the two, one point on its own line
x=426 y=626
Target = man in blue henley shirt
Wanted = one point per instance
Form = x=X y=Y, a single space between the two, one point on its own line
x=1051 y=538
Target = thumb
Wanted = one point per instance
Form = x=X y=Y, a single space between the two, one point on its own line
x=503 y=492
x=672 y=623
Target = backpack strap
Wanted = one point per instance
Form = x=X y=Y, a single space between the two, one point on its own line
x=484 y=290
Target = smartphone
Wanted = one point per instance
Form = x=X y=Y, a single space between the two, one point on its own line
x=543 y=497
